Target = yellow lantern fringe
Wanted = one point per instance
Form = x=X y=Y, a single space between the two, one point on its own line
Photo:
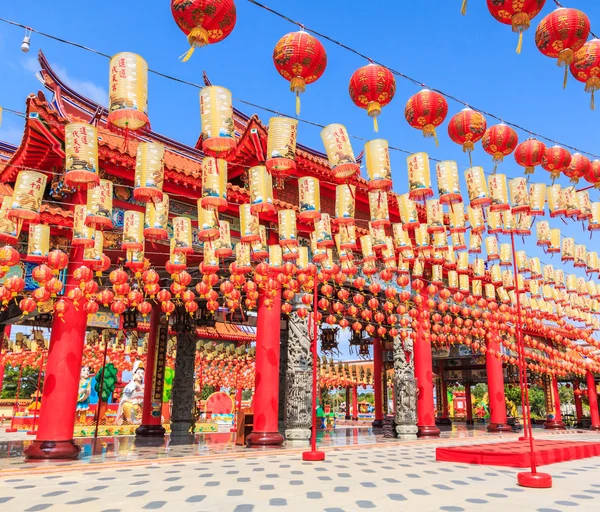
x=592 y=85
x=463 y=9
x=429 y=131
x=520 y=44
x=376 y=127
x=198 y=37
x=565 y=57
x=297 y=103
x=529 y=170
x=297 y=85
x=520 y=23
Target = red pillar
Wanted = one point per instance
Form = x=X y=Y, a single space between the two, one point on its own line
x=7 y=335
x=347 y=415
x=495 y=379
x=155 y=367
x=377 y=382
x=554 y=421
x=424 y=374
x=593 y=398
x=54 y=438
x=266 y=396
x=355 y=403
x=469 y=403
x=578 y=405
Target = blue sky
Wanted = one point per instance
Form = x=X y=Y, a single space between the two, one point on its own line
x=472 y=57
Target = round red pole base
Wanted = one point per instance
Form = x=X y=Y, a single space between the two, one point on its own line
x=261 y=439
x=31 y=432
x=10 y=430
x=554 y=425
x=595 y=427
x=525 y=438
x=499 y=427
x=57 y=450
x=428 y=431
x=313 y=456
x=535 y=480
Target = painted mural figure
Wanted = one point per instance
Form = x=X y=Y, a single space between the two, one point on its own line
x=83 y=396
x=132 y=400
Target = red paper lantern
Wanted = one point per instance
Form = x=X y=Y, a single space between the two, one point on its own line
x=105 y=297
x=57 y=260
x=578 y=168
x=372 y=87
x=517 y=14
x=499 y=141
x=145 y=308
x=61 y=307
x=530 y=153
x=203 y=21
x=101 y=265
x=555 y=160
x=593 y=174
x=425 y=111
x=301 y=59
x=163 y=296
x=586 y=67
x=466 y=128
x=83 y=274
x=91 y=307
x=15 y=285
x=9 y=257
x=192 y=307
x=118 y=307
x=27 y=305
x=118 y=276
x=42 y=295
x=560 y=34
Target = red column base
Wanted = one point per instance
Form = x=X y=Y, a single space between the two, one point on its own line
x=150 y=431
x=10 y=429
x=554 y=425
x=595 y=427
x=499 y=427
x=315 y=456
x=260 y=439
x=56 y=450
x=443 y=420
x=428 y=431
x=377 y=423
x=535 y=480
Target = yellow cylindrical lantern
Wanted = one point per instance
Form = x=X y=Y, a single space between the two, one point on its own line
x=594 y=220
x=437 y=256
x=475 y=216
x=208 y=222
x=287 y=227
x=210 y=263
x=437 y=275
x=542 y=231
x=214 y=183
x=593 y=264
x=281 y=146
x=38 y=243
x=494 y=222
x=522 y=263
x=535 y=268
x=462 y=264
x=377 y=236
x=182 y=234
x=464 y=285
x=474 y=243
x=496 y=274
x=453 y=280
x=222 y=245
x=27 y=197
x=344 y=204
x=309 y=198
x=156 y=219
x=242 y=258
x=554 y=246
x=491 y=248
x=476 y=288
x=94 y=253
x=378 y=207
x=584 y=204
x=348 y=236
x=339 y=151
x=450 y=258
x=99 y=206
x=259 y=248
x=559 y=278
x=369 y=268
x=448 y=182
x=379 y=169
x=440 y=241
x=342 y=253
x=534 y=289
x=508 y=282
x=82 y=235
x=435 y=216
x=490 y=292
x=537 y=199
x=303 y=261
x=402 y=267
x=458 y=241
x=457 y=218
x=523 y=227
x=400 y=237
x=569 y=201
x=580 y=256
x=422 y=238
x=275 y=256
x=261 y=190
x=248 y=224
x=323 y=230
x=128 y=92
x=419 y=176
x=318 y=253
x=519 y=196
x=388 y=252
x=133 y=231
x=571 y=282
x=408 y=212
x=8 y=229
x=477 y=187
x=506 y=255
x=503 y=295
x=149 y=172
x=216 y=116
x=135 y=261
x=555 y=200
x=498 y=192
x=568 y=249
x=479 y=269
x=418 y=268
x=289 y=252
x=81 y=155
x=509 y=222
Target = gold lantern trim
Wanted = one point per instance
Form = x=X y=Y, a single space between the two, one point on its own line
x=133 y=231
x=81 y=155
x=156 y=219
x=379 y=169
x=128 y=92
x=339 y=151
x=216 y=116
x=281 y=146
x=149 y=172
x=99 y=206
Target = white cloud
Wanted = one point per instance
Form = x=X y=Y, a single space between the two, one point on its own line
x=84 y=87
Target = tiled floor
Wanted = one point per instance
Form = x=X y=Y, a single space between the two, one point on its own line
x=384 y=477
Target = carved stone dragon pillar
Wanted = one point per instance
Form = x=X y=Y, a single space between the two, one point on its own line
x=182 y=416
x=405 y=389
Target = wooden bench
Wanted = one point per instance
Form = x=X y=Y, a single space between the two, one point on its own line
x=245 y=423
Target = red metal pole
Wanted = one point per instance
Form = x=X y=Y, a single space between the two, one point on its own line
x=16 y=406
x=355 y=402
x=37 y=396
x=533 y=478
x=593 y=398
x=377 y=382
x=101 y=390
x=147 y=418
x=313 y=454
x=495 y=379
x=578 y=405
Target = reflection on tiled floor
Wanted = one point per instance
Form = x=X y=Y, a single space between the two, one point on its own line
x=386 y=477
